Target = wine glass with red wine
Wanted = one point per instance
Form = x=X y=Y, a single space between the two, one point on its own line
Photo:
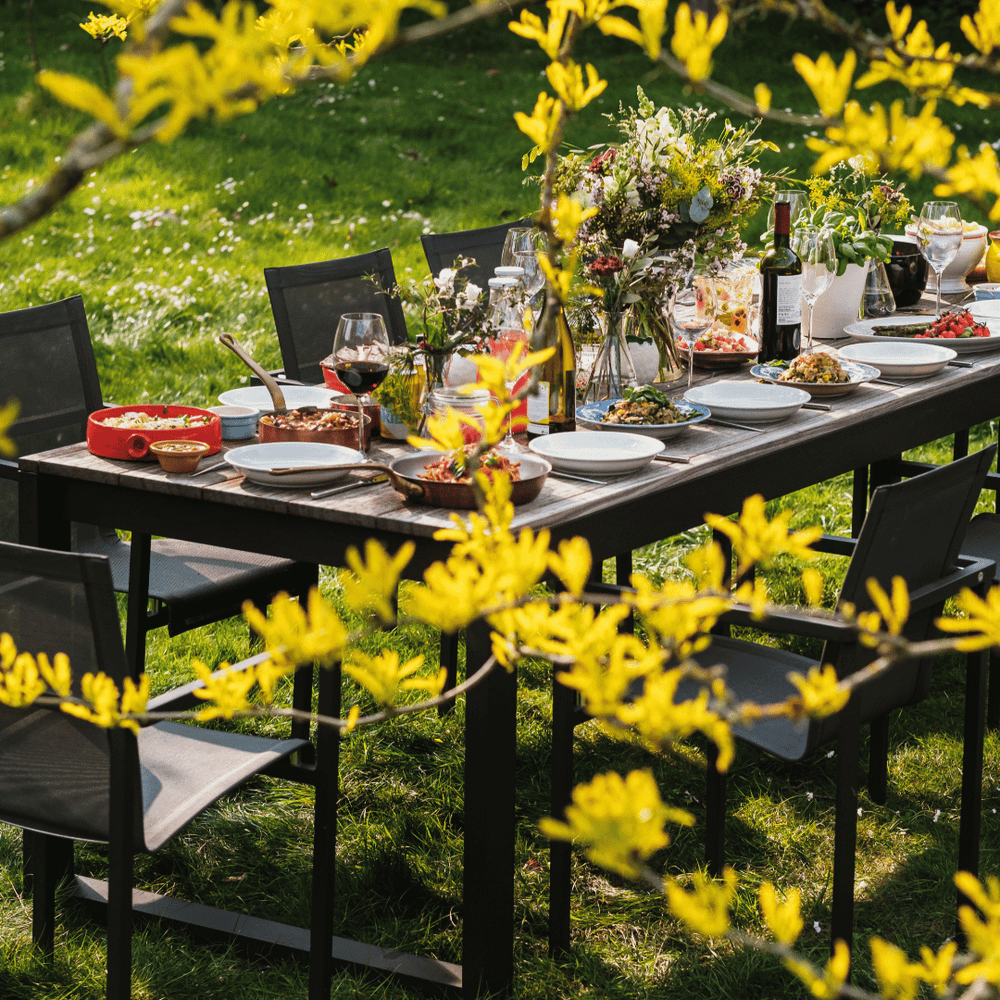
x=361 y=358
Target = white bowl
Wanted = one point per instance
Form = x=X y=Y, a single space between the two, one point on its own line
x=912 y=360
x=970 y=253
x=749 y=402
x=259 y=398
x=985 y=309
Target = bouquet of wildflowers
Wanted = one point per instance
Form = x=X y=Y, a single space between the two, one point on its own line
x=445 y=314
x=669 y=186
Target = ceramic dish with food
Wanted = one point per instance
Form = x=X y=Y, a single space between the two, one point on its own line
x=320 y=462
x=905 y=327
x=179 y=456
x=749 y=402
x=899 y=360
x=593 y=417
x=719 y=348
x=126 y=432
x=816 y=375
x=606 y=453
x=326 y=426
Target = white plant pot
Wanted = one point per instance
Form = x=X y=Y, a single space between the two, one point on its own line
x=839 y=305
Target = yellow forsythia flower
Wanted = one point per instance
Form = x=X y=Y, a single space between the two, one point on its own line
x=762 y=96
x=572 y=564
x=385 y=678
x=101 y=27
x=20 y=682
x=936 y=969
x=8 y=414
x=784 y=920
x=620 y=820
x=649 y=34
x=567 y=81
x=894 y=610
x=826 y=986
x=897 y=978
x=983 y=28
x=226 y=693
x=705 y=909
x=820 y=692
x=829 y=83
x=695 y=40
x=372 y=582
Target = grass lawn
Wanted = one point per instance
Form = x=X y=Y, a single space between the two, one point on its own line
x=167 y=247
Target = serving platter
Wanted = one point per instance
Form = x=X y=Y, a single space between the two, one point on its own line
x=296 y=396
x=899 y=360
x=750 y=402
x=719 y=359
x=862 y=331
x=603 y=452
x=254 y=461
x=592 y=416
x=857 y=373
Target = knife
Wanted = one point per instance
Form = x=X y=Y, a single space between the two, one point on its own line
x=739 y=427
x=372 y=481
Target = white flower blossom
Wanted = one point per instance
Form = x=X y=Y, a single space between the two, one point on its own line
x=445 y=281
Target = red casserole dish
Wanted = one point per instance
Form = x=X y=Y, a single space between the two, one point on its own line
x=134 y=442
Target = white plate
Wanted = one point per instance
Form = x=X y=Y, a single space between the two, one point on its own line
x=255 y=459
x=604 y=452
x=750 y=402
x=985 y=309
x=259 y=398
x=592 y=415
x=862 y=331
x=895 y=358
x=856 y=375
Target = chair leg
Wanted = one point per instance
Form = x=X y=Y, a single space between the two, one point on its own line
x=122 y=824
x=560 y=851
x=846 y=826
x=878 y=759
x=623 y=569
x=993 y=703
x=859 y=500
x=138 y=604
x=715 y=813
x=324 y=840
x=47 y=861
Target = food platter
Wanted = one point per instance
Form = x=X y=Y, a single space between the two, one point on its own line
x=259 y=398
x=592 y=416
x=254 y=461
x=858 y=374
x=751 y=402
x=719 y=359
x=126 y=432
x=862 y=331
x=603 y=452
x=898 y=360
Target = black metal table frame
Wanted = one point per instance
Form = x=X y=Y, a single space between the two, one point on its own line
x=48 y=502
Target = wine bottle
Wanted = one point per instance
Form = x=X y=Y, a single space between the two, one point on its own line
x=781 y=294
x=552 y=405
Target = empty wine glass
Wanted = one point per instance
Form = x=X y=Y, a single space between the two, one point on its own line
x=361 y=358
x=692 y=311
x=939 y=236
x=798 y=202
x=815 y=249
x=518 y=240
x=533 y=280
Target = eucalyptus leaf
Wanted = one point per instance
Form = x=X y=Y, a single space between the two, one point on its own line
x=701 y=205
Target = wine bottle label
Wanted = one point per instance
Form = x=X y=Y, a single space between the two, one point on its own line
x=789 y=304
x=538 y=410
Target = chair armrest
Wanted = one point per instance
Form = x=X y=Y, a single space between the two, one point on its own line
x=969 y=573
x=791 y=622
x=836 y=545
x=8 y=469
x=181 y=699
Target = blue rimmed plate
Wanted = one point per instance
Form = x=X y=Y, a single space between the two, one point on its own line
x=592 y=415
x=857 y=374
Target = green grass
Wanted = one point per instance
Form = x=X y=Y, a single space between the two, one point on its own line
x=167 y=246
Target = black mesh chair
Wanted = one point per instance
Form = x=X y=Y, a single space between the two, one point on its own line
x=913 y=529
x=63 y=779
x=485 y=245
x=48 y=364
x=307 y=300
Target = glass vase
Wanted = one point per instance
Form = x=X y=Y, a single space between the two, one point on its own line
x=613 y=369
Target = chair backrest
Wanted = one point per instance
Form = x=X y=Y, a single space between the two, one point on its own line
x=307 y=300
x=485 y=245
x=55 y=769
x=48 y=365
x=913 y=529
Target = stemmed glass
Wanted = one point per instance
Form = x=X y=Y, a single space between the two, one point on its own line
x=939 y=236
x=692 y=310
x=818 y=255
x=798 y=201
x=518 y=240
x=361 y=359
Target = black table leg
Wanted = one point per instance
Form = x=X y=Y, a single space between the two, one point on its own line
x=490 y=748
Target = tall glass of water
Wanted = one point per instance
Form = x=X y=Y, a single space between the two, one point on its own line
x=939 y=236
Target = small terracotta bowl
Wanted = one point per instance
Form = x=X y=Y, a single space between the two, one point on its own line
x=179 y=456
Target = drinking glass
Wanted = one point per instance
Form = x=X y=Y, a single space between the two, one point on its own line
x=878 y=300
x=361 y=358
x=533 y=280
x=692 y=310
x=939 y=236
x=798 y=201
x=815 y=249
x=518 y=240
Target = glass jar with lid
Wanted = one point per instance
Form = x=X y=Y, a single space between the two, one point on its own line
x=465 y=403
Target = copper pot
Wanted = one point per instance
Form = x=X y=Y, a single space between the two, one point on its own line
x=347 y=437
